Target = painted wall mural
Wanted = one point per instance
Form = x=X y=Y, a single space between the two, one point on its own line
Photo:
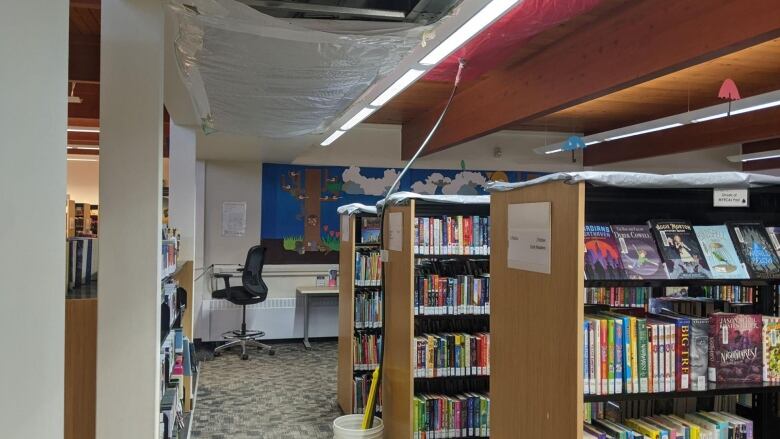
x=300 y=224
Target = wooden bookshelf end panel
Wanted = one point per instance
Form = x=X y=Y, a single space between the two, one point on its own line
x=398 y=382
x=346 y=317
x=536 y=322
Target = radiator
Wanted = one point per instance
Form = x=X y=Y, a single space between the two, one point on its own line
x=279 y=318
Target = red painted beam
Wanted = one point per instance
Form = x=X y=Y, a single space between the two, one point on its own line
x=637 y=43
x=757 y=125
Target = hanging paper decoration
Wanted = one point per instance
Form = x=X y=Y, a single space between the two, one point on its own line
x=728 y=90
x=462 y=165
x=573 y=143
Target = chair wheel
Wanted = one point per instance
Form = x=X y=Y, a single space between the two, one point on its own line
x=271 y=352
x=244 y=356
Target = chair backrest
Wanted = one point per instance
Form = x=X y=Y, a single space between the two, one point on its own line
x=252 y=279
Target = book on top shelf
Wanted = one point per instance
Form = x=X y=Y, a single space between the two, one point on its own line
x=639 y=252
x=774 y=237
x=735 y=348
x=369 y=230
x=720 y=253
x=680 y=250
x=771 y=339
x=757 y=251
x=602 y=256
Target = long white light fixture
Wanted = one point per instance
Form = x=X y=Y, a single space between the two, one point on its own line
x=74 y=159
x=76 y=129
x=482 y=13
x=746 y=105
x=85 y=147
x=487 y=15
x=763 y=155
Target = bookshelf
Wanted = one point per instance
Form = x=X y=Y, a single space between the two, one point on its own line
x=352 y=294
x=402 y=325
x=549 y=369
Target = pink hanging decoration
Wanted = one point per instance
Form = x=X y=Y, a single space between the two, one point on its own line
x=729 y=90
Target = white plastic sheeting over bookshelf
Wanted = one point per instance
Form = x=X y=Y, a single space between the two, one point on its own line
x=250 y=73
x=355 y=208
x=402 y=197
x=638 y=180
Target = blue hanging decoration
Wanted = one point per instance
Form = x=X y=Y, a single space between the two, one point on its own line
x=573 y=143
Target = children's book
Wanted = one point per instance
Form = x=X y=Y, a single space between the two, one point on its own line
x=720 y=253
x=602 y=256
x=639 y=252
x=680 y=250
x=756 y=250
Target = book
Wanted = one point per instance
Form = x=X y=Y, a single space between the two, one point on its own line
x=602 y=256
x=774 y=237
x=756 y=250
x=735 y=348
x=452 y=235
x=638 y=252
x=682 y=344
x=369 y=230
x=680 y=250
x=720 y=253
x=771 y=339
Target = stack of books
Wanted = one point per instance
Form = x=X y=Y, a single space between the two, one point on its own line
x=368 y=309
x=452 y=354
x=366 y=351
x=452 y=235
x=439 y=416
x=702 y=425
x=440 y=295
x=361 y=387
x=368 y=269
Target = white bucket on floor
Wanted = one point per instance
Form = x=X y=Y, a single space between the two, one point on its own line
x=350 y=427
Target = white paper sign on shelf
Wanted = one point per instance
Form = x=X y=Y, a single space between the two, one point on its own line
x=530 y=237
x=396 y=223
x=730 y=198
x=344 y=228
x=233 y=218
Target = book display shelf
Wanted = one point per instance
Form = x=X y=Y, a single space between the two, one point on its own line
x=360 y=307
x=436 y=364
x=178 y=371
x=538 y=376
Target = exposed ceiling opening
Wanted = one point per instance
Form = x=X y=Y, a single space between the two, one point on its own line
x=413 y=11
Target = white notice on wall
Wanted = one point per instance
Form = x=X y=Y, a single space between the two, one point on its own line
x=233 y=218
x=344 y=228
x=396 y=221
x=529 y=237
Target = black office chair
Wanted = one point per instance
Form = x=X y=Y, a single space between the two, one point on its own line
x=253 y=290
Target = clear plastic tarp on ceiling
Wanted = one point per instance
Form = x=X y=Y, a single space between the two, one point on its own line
x=253 y=74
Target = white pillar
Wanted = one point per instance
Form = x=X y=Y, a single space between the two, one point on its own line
x=131 y=117
x=33 y=120
x=181 y=203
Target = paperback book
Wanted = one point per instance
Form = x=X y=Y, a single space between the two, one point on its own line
x=758 y=253
x=680 y=250
x=771 y=336
x=720 y=253
x=369 y=230
x=735 y=348
x=774 y=237
x=639 y=252
x=602 y=255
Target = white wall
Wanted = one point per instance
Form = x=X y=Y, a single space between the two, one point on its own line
x=33 y=120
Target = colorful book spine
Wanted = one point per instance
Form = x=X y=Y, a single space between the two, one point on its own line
x=368 y=309
x=456 y=416
x=771 y=346
x=452 y=235
x=633 y=297
x=368 y=269
x=451 y=354
x=440 y=295
x=366 y=348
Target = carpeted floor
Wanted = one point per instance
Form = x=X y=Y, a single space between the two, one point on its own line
x=291 y=395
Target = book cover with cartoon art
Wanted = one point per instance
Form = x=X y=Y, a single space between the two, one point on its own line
x=639 y=252
x=602 y=256
x=736 y=348
x=756 y=250
x=720 y=252
x=680 y=250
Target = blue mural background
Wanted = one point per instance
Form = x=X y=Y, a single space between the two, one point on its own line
x=298 y=228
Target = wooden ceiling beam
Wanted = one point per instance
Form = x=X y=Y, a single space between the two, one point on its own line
x=753 y=126
x=637 y=43
x=84 y=58
x=85 y=4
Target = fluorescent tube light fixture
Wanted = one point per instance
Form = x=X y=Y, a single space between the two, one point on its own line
x=398 y=86
x=479 y=21
x=74 y=159
x=763 y=155
x=592 y=142
x=649 y=130
x=83 y=129
x=359 y=117
x=85 y=147
x=756 y=107
x=554 y=151
x=332 y=138
x=706 y=118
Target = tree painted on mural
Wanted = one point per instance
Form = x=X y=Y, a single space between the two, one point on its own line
x=312 y=189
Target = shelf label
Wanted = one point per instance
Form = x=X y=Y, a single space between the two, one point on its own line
x=530 y=237
x=396 y=225
x=730 y=197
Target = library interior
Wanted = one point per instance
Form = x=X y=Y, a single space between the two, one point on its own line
x=398 y=219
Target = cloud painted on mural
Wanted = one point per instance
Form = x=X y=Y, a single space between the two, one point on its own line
x=357 y=184
x=466 y=183
x=431 y=184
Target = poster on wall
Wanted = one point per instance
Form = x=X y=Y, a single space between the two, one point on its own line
x=233 y=218
x=300 y=224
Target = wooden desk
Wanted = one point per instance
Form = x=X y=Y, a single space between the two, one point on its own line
x=306 y=292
